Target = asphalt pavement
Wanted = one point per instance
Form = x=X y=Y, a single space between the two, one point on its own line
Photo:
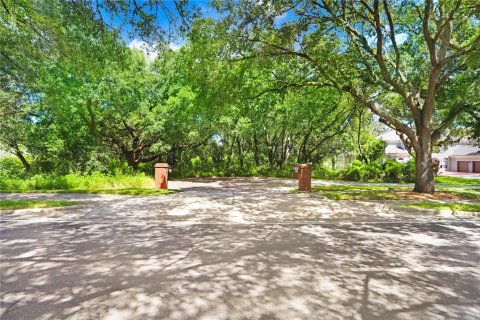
x=236 y=249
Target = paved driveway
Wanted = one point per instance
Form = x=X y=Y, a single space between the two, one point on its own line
x=236 y=249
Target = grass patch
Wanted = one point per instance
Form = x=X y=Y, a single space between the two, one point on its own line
x=97 y=183
x=131 y=192
x=472 y=207
x=362 y=195
x=457 y=180
x=26 y=204
x=470 y=195
x=357 y=188
x=378 y=192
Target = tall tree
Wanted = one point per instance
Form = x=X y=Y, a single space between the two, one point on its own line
x=395 y=58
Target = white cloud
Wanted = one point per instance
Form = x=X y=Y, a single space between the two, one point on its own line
x=150 y=52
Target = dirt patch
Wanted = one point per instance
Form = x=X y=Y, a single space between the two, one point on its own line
x=426 y=196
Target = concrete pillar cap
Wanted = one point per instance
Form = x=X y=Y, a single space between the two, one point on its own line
x=304 y=165
x=162 y=165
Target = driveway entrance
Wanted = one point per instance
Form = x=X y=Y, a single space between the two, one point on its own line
x=235 y=249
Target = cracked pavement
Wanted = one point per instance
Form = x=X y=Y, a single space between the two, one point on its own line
x=239 y=248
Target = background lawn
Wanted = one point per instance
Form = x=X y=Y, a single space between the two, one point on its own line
x=472 y=207
x=457 y=180
x=399 y=192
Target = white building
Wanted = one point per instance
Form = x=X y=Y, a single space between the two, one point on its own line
x=394 y=147
x=460 y=157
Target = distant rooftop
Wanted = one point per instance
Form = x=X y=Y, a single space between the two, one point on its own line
x=390 y=136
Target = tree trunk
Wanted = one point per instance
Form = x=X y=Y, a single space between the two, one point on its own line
x=424 y=181
x=130 y=157
x=24 y=161
x=20 y=156
x=255 y=150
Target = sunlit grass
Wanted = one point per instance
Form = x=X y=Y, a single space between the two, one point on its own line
x=131 y=192
x=362 y=195
x=97 y=183
x=457 y=180
x=470 y=195
x=456 y=206
x=351 y=187
x=382 y=192
x=24 y=204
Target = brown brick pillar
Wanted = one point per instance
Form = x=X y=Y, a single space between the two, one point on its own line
x=305 y=177
x=161 y=175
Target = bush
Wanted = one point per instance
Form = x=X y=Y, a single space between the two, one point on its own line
x=393 y=171
x=359 y=171
x=390 y=171
x=327 y=173
x=11 y=167
x=409 y=171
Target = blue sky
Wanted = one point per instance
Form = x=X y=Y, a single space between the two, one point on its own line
x=127 y=31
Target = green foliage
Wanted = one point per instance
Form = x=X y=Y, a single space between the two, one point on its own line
x=11 y=167
x=377 y=171
x=75 y=99
x=358 y=171
x=96 y=181
x=411 y=63
x=320 y=172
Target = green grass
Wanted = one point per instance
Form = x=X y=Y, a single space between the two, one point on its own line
x=24 y=204
x=470 y=195
x=379 y=192
x=457 y=180
x=96 y=183
x=456 y=206
x=362 y=195
x=349 y=187
x=131 y=192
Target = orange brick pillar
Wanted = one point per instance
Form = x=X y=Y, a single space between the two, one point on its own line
x=305 y=177
x=161 y=175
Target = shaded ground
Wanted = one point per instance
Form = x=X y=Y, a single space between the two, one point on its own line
x=236 y=249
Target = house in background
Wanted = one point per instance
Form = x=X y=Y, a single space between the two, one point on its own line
x=394 y=147
x=460 y=157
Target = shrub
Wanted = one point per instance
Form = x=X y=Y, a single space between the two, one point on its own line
x=355 y=171
x=393 y=171
x=409 y=171
x=95 y=181
x=390 y=171
x=11 y=167
x=327 y=173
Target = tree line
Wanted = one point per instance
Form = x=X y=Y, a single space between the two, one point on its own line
x=257 y=85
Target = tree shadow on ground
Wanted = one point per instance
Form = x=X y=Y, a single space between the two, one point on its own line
x=143 y=269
